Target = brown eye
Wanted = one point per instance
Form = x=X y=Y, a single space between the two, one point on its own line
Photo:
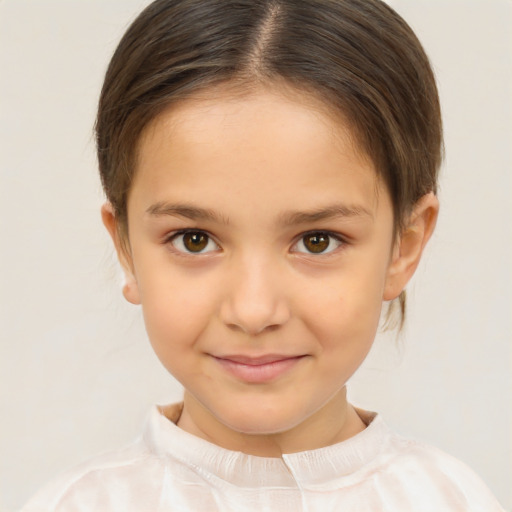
x=317 y=242
x=194 y=242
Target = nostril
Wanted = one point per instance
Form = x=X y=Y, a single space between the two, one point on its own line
x=252 y=331
x=254 y=303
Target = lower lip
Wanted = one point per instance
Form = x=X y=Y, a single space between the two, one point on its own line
x=261 y=373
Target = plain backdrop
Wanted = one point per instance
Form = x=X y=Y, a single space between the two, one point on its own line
x=77 y=373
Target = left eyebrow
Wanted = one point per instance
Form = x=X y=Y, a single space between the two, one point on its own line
x=334 y=211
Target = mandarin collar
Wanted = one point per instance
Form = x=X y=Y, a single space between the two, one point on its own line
x=319 y=468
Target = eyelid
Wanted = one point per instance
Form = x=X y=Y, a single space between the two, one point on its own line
x=171 y=237
x=340 y=239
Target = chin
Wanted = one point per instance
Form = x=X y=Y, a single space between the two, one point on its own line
x=260 y=421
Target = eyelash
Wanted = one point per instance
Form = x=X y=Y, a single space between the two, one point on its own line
x=171 y=239
x=339 y=240
x=175 y=236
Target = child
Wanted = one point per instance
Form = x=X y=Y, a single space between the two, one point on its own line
x=270 y=169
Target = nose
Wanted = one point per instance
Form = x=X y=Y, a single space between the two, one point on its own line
x=255 y=299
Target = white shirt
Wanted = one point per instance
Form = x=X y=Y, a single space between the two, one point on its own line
x=168 y=469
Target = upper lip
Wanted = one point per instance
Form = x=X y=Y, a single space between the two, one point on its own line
x=257 y=361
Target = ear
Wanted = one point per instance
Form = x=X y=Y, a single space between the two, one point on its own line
x=130 y=287
x=410 y=244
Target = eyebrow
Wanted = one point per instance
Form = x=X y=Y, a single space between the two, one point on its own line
x=291 y=218
x=185 y=210
x=334 y=211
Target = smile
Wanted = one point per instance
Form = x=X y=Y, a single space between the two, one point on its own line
x=258 y=370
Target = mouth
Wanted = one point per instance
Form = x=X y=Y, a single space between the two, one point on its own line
x=258 y=370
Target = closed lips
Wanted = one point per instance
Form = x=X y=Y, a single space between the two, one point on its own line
x=257 y=361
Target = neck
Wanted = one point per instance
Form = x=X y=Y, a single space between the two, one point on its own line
x=336 y=421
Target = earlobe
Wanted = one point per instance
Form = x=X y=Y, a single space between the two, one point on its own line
x=131 y=289
x=130 y=286
x=410 y=244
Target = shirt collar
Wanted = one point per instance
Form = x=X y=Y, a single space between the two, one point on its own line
x=311 y=468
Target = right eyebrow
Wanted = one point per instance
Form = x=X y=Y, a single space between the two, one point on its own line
x=185 y=210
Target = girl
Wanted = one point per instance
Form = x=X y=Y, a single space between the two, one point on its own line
x=271 y=172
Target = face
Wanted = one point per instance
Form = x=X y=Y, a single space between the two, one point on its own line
x=260 y=249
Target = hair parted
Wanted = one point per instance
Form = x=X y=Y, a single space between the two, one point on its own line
x=358 y=56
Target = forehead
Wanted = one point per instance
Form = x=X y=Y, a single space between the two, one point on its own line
x=275 y=105
x=267 y=146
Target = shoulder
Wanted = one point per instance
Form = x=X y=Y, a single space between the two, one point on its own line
x=84 y=486
x=432 y=475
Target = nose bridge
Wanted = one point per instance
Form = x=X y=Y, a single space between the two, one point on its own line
x=256 y=298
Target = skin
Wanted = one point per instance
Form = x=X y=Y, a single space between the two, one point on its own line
x=247 y=173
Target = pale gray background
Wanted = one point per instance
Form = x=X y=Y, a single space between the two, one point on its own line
x=77 y=373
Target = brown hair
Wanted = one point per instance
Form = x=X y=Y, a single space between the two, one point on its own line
x=358 y=56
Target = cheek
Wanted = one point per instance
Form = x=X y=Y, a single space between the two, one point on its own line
x=344 y=311
x=176 y=310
